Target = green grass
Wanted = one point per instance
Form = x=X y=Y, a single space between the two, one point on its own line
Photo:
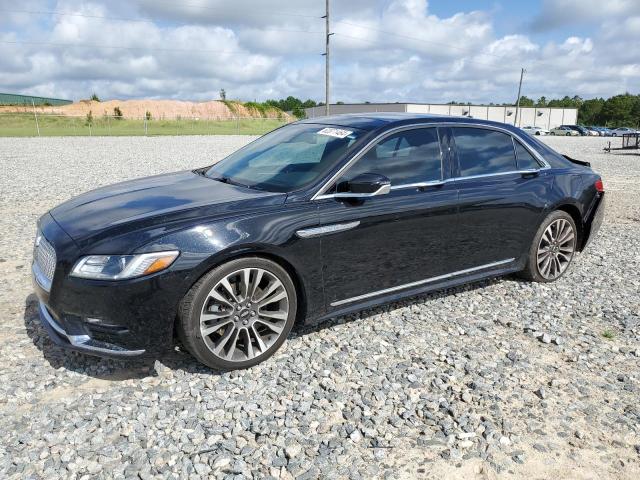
x=609 y=334
x=24 y=125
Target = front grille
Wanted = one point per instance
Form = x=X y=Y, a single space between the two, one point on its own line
x=44 y=256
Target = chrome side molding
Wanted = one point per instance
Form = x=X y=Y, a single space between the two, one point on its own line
x=421 y=282
x=326 y=229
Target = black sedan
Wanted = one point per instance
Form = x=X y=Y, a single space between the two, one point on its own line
x=313 y=220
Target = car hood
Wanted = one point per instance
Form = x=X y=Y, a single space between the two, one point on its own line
x=167 y=199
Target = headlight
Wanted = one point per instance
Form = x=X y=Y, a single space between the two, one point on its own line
x=118 y=267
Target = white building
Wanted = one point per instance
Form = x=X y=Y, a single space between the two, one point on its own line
x=536 y=116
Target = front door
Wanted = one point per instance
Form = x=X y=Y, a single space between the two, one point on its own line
x=383 y=243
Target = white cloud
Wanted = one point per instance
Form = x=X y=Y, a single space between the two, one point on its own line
x=561 y=13
x=383 y=50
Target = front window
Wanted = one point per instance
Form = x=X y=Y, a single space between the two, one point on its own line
x=286 y=159
x=482 y=151
x=410 y=156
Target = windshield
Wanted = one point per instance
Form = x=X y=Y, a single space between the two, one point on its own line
x=286 y=159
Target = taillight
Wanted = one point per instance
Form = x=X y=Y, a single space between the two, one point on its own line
x=599 y=186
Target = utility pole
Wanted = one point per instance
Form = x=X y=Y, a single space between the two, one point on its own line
x=515 y=121
x=327 y=63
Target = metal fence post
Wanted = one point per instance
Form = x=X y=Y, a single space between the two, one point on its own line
x=35 y=115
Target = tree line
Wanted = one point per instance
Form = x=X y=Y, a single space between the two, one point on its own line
x=617 y=111
x=293 y=105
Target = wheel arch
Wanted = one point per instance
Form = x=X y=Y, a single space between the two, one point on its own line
x=256 y=251
x=576 y=215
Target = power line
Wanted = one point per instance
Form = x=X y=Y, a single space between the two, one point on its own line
x=120 y=47
x=123 y=19
x=263 y=11
x=372 y=42
x=276 y=30
x=407 y=37
x=268 y=12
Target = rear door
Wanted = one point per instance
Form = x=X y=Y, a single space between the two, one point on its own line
x=501 y=196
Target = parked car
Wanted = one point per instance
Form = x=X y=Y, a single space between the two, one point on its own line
x=618 y=132
x=580 y=129
x=601 y=131
x=535 y=130
x=593 y=131
x=606 y=132
x=564 y=130
x=317 y=219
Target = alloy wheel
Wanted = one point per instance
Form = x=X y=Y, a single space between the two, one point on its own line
x=556 y=249
x=244 y=314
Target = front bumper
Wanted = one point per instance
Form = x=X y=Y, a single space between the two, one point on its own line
x=116 y=320
x=106 y=318
x=81 y=342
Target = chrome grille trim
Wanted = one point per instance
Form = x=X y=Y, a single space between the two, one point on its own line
x=44 y=261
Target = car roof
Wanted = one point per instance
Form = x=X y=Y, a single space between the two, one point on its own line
x=374 y=121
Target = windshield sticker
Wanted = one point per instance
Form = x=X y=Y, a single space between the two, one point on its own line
x=335 y=132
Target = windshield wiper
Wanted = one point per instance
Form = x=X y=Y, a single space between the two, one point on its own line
x=230 y=182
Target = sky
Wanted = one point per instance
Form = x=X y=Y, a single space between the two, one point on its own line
x=432 y=51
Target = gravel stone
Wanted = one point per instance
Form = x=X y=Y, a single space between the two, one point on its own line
x=541 y=393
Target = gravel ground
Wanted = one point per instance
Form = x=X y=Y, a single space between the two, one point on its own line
x=498 y=379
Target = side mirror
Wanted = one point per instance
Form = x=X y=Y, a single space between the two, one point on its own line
x=366 y=185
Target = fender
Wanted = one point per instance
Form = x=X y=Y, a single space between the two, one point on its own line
x=271 y=234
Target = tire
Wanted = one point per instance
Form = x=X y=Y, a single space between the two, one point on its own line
x=242 y=333
x=568 y=134
x=538 y=133
x=552 y=133
x=563 y=250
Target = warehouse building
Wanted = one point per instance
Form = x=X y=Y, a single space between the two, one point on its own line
x=28 y=100
x=544 y=117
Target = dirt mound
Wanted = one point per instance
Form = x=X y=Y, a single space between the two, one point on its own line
x=159 y=109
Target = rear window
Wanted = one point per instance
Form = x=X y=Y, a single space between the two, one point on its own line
x=525 y=160
x=482 y=151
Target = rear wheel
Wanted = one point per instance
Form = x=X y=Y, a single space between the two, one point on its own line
x=238 y=314
x=553 y=248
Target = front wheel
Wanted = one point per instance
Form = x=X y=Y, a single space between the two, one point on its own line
x=552 y=249
x=238 y=314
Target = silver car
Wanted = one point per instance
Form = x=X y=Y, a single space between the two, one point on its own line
x=569 y=132
x=535 y=130
x=618 y=132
